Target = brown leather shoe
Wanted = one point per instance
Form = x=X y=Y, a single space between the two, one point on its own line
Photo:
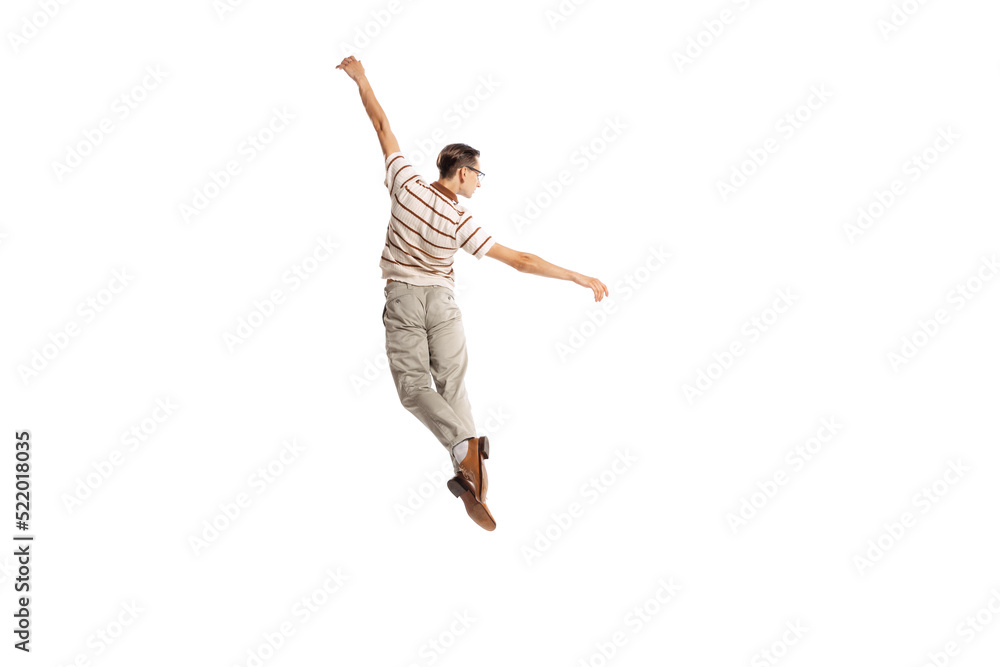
x=471 y=468
x=476 y=510
x=484 y=453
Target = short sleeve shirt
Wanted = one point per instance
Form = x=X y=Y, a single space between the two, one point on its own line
x=427 y=226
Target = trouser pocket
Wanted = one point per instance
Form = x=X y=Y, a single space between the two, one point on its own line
x=400 y=309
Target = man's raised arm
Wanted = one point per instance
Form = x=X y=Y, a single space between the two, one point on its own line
x=386 y=138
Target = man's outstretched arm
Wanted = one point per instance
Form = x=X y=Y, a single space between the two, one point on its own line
x=386 y=138
x=525 y=262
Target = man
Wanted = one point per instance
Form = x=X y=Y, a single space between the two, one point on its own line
x=423 y=323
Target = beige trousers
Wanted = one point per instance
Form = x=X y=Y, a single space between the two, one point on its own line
x=424 y=339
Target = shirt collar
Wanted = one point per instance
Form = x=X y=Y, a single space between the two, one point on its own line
x=445 y=191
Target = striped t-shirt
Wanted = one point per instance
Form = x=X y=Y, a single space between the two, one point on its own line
x=427 y=226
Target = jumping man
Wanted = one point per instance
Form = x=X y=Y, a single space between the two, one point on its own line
x=423 y=323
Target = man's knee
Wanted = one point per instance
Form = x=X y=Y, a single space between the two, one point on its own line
x=409 y=390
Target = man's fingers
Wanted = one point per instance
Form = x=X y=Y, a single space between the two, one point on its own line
x=599 y=288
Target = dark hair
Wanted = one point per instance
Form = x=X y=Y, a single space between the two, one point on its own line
x=455 y=156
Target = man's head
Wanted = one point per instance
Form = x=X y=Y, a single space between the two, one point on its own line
x=459 y=168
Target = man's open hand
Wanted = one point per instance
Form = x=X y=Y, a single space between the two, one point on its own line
x=353 y=67
x=600 y=289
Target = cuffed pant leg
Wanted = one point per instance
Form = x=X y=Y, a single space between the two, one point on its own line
x=449 y=357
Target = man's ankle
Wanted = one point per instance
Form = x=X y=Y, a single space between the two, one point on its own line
x=459 y=451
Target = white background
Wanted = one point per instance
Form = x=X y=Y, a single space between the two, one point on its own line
x=365 y=494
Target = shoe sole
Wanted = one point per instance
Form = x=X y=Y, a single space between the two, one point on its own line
x=475 y=509
x=484 y=450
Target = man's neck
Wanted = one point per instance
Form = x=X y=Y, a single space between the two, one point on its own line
x=449 y=188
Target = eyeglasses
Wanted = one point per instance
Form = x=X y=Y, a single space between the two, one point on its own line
x=479 y=175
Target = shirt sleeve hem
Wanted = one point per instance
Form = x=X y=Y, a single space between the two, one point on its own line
x=485 y=249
